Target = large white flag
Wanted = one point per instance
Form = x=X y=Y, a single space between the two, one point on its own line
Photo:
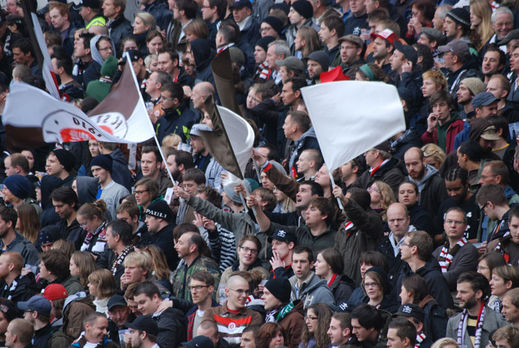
x=32 y=116
x=351 y=117
x=47 y=70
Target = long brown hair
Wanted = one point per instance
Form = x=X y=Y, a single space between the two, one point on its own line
x=86 y=264
x=160 y=263
x=324 y=315
x=29 y=222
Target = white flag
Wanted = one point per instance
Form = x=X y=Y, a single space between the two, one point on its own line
x=351 y=117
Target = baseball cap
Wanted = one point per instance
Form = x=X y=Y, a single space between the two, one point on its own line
x=36 y=303
x=490 y=133
x=292 y=63
x=386 y=34
x=241 y=4
x=144 y=323
x=411 y=311
x=94 y=4
x=199 y=342
x=458 y=47
x=195 y=130
x=55 y=291
x=116 y=300
x=483 y=99
x=283 y=236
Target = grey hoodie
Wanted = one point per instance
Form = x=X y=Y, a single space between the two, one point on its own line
x=313 y=290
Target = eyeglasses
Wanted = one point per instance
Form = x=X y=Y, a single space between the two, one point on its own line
x=240 y=291
x=197 y=287
x=140 y=192
x=249 y=250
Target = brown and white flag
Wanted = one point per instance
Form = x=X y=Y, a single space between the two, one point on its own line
x=32 y=116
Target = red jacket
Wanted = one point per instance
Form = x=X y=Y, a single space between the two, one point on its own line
x=454 y=128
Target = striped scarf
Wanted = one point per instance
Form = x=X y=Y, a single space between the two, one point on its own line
x=446 y=257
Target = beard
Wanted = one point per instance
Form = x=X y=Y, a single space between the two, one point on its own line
x=471 y=302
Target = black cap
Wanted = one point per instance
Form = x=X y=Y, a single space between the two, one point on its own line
x=411 y=311
x=199 y=342
x=160 y=209
x=116 y=300
x=241 y=4
x=145 y=323
x=283 y=236
x=94 y=4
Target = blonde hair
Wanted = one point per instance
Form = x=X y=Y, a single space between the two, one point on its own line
x=147 y=19
x=434 y=151
x=388 y=197
x=141 y=259
x=446 y=341
x=104 y=281
x=171 y=140
x=483 y=31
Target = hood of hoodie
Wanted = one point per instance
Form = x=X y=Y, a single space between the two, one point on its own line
x=86 y=189
x=202 y=52
x=429 y=173
x=96 y=56
x=48 y=184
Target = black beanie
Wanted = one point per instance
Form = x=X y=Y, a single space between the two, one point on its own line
x=264 y=42
x=280 y=288
x=66 y=158
x=275 y=23
x=103 y=161
x=304 y=8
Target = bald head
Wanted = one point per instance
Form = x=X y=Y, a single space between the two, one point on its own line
x=398 y=219
x=200 y=93
x=413 y=159
x=237 y=291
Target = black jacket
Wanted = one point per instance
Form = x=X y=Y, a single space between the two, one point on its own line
x=342 y=288
x=431 y=272
x=178 y=121
x=24 y=289
x=390 y=173
x=42 y=336
x=118 y=30
x=172 y=328
x=120 y=172
x=164 y=240
x=160 y=11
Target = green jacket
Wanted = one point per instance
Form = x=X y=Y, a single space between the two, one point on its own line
x=183 y=273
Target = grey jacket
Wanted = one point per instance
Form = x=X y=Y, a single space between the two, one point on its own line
x=493 y=321
x=313 y=290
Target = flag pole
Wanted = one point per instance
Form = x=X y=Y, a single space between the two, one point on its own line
x=333 y=184
x=129 y=61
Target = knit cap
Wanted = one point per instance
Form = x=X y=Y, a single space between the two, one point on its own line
x=304 y=8
x=66 y=158
x=280 y=288
x=275 y=23
x=264 y=42
x=160 y=209
x=474 y=84
x=103 y=161
x=19 y=186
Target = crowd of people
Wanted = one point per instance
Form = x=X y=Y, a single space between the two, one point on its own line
x=415 y=243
